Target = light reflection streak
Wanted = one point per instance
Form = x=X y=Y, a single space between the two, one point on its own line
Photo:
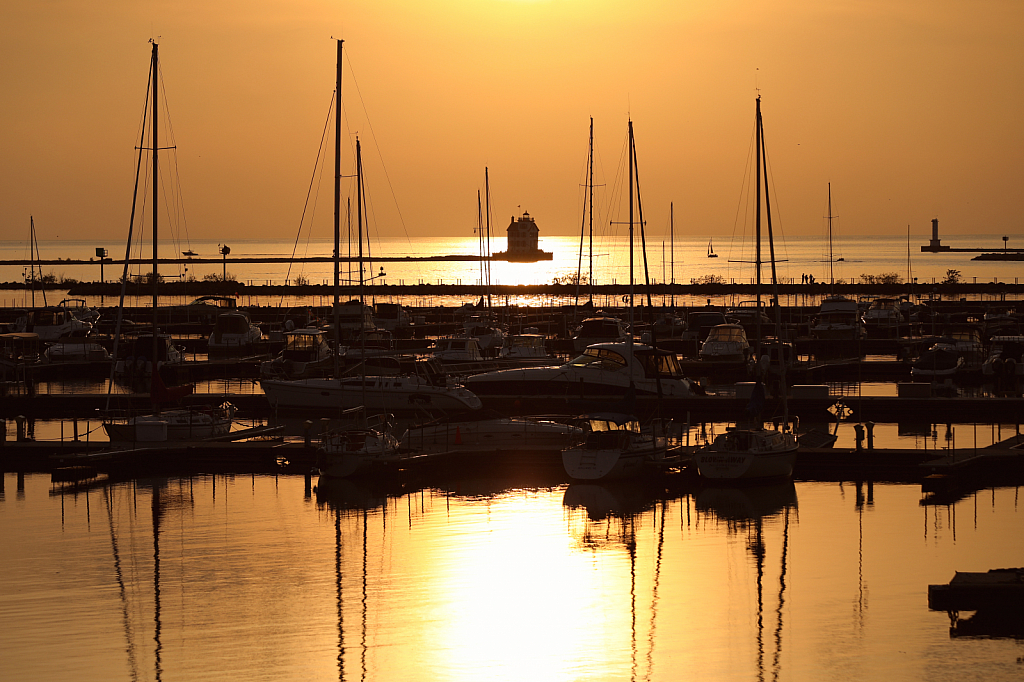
x=125 y=615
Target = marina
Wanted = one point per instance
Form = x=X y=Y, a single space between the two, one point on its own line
x=641 y=431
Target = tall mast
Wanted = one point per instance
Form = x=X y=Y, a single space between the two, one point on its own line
x=831 y=259
x=156 y=180
x=672 y=251
x=631 y=327
x=487 y=189
x=480 y=234
x=337 y=218
x=757 y=220
x=643 y=235
x=590 y=204
x=359 y=214
x=775 y=279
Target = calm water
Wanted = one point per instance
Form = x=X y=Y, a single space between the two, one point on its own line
x=231 y=578
x=863 y=255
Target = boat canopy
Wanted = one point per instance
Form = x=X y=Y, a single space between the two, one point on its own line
x=727 y=332
x=600 y=358
x=613 y=421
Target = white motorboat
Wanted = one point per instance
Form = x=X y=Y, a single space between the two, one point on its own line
x=392 y=393
x=458 y=349
x=487 y=334
x=79 y=350
x=603 y=371
x=746 y=453
x=966 y=339
x=1005 y=357
x=80 y=309
x=488 y=432
x=305 y=355
x=837 y=319
x=941 y=360
x=725 y=343
x=524 y=347
x=883 y=318
x=234 y=332
x=615 y=447
x=53 y=324
x=599 y=330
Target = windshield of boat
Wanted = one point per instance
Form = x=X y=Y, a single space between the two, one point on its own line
x=609 y=425
x=660 y=364
x=728 y=333
x=600 y=358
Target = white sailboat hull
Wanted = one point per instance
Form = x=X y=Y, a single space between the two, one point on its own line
x=607 y=464
x=733 y=465
x=385 y=393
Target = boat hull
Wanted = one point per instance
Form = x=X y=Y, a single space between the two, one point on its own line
x=584 y=464
x=393 y=394
x=719 y=465
x=491 y=436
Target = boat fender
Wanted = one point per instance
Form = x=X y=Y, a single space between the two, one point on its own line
x=1010 y=367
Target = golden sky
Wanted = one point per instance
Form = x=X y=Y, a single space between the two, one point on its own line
x=910 y=108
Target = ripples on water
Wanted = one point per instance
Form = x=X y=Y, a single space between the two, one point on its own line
x=258 y=577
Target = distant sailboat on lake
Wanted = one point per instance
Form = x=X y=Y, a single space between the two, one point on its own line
x=711 y=250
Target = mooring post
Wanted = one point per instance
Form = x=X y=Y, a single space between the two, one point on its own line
x=307 y=428
x=871 y=435
x=858 y=429
x=3 y=432
x=20 y=422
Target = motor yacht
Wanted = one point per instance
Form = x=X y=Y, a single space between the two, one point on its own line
x=234 y=332
x=599 y=330
x=725 y=343
x=602 y=371
x=837 y=319
x=305 y=355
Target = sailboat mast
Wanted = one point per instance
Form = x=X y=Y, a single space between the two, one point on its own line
x=831 y=259
x=631 y=327
x=337 y=218
x=156 y=181
x=359 y=216
x=775 y=279
x=672 y=250
x=487 y=189
x=590 y=205
x=480 y=234
x=757 y=220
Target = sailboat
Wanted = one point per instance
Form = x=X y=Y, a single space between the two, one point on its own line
x=711 y=250
x=391 y=393
x=616 y=447
x=755 y=451
x=174 y=425
x=838 y=317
